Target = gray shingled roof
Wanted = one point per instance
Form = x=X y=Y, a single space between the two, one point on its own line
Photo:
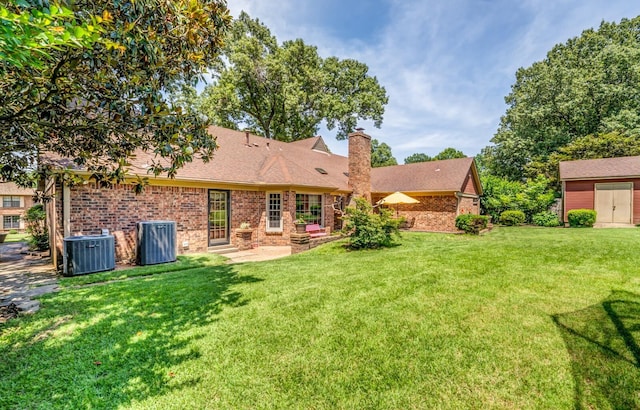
x=600 y=168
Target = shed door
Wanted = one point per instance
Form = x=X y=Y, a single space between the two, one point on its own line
x=613 y=202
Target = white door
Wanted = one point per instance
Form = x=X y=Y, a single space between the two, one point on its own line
x=613 y=203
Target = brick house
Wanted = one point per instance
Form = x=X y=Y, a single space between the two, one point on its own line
x=610 y=186
x=265 y=183
x=15 y=203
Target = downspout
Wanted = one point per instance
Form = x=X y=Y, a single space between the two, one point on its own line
x=66 y=220
x=53 y=245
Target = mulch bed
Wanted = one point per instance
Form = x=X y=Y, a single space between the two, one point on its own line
x=8 y=312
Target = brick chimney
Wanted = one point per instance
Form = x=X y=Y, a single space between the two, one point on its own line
x=360 y=164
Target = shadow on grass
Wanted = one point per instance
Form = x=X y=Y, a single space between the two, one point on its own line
x=602 y=341
x=107 y=346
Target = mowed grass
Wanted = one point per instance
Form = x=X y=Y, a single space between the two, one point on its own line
x=17 y=237
x=518 y=318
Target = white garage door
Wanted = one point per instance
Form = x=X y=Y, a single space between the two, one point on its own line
x=613 y=203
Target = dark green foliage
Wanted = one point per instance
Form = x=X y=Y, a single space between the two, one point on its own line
x=587 y=86
x=546 y=218
x=97 y=104
x=447 y=153
x=35 y=218
x=512 y=218
x=418 y=157
x=381 y=155
x=581 y=218
x=501 y=194
x=285 y=91
x=369 y=230
x=610 y=145
x=472 y=224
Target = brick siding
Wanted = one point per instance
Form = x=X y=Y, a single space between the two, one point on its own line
x=360 y=164
x=119 y=209
x=433 y=213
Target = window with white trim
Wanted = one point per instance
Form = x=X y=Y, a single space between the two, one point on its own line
x=11 y=202
x=274 y=212
x=309 y=208
x=11 y=222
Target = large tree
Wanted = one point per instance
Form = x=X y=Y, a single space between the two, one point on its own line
x=285 y=91
x=381 y=155
x=98 y=104
x=28 y=34
x=589 y=85
x=447 y=153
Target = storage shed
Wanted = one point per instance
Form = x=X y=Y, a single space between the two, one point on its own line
x=610 y=186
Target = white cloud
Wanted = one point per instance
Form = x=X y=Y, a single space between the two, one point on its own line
x=446 y=65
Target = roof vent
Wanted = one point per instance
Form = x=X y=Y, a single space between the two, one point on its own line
x=322 y=171
x=346 y=174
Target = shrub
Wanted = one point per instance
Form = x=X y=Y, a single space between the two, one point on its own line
x=13 y=231
x=581 y=218
x=368 y=230
x=512 y=218
x=472 y=224
x=501 y=195
x=546 y=218
x=37 y=228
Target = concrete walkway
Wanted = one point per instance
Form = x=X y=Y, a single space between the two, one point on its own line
x=22 y=277
x=263 y=253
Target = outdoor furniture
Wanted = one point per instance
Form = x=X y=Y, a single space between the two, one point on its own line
x=315 y=231
x=408 y=223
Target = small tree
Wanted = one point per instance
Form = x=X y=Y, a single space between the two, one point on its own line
x=369 y=230
x=37 y=228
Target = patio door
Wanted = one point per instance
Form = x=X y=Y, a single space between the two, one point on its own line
x=218 y=217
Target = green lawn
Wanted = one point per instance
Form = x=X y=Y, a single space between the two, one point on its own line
x=17 y=237
x=519 y=318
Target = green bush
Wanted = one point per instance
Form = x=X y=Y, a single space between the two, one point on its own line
x=13 y=231
x=546 y=218
x=472 y=224
x=501 y=195
x=512 y=218
x=368 y=230
x=37 y=228
x=581 y=218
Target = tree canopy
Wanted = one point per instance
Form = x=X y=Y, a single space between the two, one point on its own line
x=381 y=155
x=285 y=91
x=589 y=85
x=447 y=153
x=97 y=103
x=27 y=34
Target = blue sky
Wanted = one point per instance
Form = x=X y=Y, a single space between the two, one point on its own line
x=446 y=64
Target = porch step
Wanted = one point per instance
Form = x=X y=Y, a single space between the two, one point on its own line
x=222 y=249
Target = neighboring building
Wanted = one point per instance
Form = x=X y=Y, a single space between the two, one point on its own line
x=15 y=203
x=610 y=186
x=267 y=184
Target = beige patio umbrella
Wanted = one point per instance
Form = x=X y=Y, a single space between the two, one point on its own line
x=397 y=198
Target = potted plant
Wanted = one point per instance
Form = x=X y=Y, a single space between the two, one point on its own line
x=300 y=224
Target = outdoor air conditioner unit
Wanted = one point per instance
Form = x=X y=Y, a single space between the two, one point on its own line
x=88 y=254
x=157 y=242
